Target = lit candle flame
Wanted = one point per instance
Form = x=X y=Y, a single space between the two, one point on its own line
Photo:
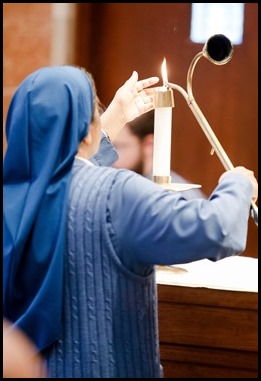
x=164 y=72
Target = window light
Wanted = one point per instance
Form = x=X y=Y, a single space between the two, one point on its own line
x=208 y=19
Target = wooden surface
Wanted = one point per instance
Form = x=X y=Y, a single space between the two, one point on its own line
x=208 y=333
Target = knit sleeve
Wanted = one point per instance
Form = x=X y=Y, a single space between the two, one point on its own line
x=157 y=226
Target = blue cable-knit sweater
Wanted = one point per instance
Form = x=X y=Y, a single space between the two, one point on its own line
x=119 y=226
x=110 y=324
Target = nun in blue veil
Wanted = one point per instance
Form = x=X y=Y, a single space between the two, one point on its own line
x=44 y=127
x=49 y=115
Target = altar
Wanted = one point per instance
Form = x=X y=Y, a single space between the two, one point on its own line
x=208 y=318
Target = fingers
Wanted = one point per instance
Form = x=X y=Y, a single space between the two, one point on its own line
x=148 y=107
x=246 y=172
x=148 y=99
x=144 y=104
x=144 y=83
x=150 y=91
x=239 y=169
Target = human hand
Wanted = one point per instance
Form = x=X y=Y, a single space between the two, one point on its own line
x=131 y=100
x=134 y=97
x=249 y=174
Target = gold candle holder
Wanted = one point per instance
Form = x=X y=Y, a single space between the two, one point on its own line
x=163 y=97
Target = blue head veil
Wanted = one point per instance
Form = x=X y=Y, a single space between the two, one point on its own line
x=48 y=116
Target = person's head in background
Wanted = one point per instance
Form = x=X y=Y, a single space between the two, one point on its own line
x=134 y=144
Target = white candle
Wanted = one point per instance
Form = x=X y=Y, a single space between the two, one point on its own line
x=162 y=139
x=164 y=102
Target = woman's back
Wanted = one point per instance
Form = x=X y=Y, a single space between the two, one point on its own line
x=109 y=325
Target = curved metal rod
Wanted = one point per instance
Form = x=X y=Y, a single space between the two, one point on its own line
x=217 y=147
